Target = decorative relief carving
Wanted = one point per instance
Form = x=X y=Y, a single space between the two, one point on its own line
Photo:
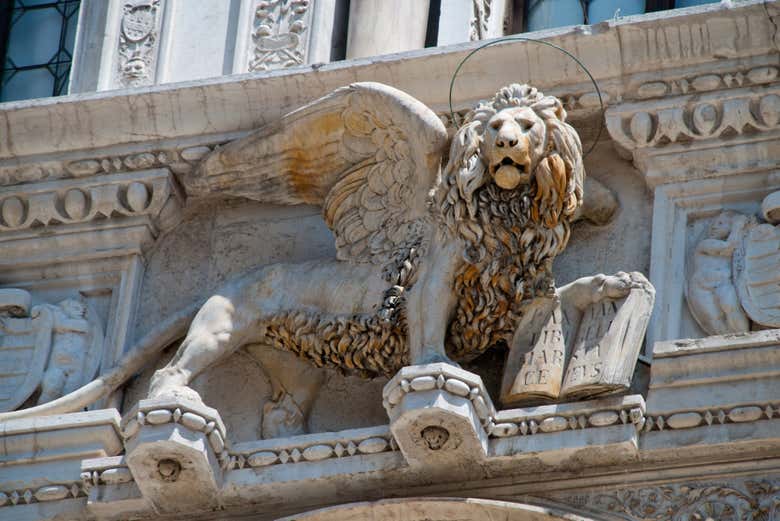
x=280 y=34
x=139 y=35
x=54 y=348
x=681 y=120
x=111 y=471
x=737 y=500
x=210 y=426
x=180 y=161
x=479 y=19
x=584 y=415
x=733 y=272
x=123 y=195
x=288 y=451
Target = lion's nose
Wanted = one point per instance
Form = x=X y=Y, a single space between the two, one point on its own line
x=506 y=137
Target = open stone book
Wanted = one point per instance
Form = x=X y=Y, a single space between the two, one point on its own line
x=562 y=352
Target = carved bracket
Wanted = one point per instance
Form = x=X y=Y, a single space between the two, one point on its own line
x=176 y=448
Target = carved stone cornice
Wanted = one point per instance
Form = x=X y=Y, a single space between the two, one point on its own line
x=693 y=136
x=87 y=218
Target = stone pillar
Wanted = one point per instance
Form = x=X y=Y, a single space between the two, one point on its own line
x=382 y=27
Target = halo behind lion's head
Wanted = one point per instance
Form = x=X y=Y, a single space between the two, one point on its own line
x=556 y=174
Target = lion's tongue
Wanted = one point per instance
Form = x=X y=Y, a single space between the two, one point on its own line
x=507 y=176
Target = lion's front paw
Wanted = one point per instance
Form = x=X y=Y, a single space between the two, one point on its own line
x=611 y=286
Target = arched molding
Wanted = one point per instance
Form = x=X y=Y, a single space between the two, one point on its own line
x=443 y=509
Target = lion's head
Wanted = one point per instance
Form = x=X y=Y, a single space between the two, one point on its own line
x=509 y=190
x=519 y=139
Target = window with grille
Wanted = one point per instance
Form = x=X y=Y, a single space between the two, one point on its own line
x=36 y=47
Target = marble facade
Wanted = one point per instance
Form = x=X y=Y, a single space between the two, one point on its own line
x=107 y=231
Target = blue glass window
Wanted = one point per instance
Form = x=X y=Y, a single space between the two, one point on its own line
x=545 y=14
x=36 y=47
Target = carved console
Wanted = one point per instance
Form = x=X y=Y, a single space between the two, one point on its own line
x=176 y=449
x=439 y=415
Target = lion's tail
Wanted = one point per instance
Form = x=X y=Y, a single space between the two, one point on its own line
x=138 y=356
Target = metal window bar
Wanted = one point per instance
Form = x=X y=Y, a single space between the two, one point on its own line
x=60 y=63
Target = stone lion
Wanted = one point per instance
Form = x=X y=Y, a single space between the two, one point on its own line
x=433 y=264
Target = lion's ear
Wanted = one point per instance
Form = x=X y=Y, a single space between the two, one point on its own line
x=466 y=165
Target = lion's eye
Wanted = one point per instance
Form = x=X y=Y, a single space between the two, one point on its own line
x=496 y=124
x=524 y=123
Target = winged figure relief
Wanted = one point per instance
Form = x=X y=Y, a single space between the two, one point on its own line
x=733 y=276
x=437 y=255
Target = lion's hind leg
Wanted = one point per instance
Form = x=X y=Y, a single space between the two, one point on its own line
x=219 y=328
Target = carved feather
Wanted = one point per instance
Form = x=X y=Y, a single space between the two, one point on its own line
x=367 y=154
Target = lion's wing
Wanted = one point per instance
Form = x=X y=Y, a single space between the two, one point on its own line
x=366 y=153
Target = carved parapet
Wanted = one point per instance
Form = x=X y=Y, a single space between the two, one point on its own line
x=176 y=451
x=439 y=412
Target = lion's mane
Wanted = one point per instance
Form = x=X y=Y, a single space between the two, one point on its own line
x=511 y=236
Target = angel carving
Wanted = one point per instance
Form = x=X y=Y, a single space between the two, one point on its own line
x=436 y=259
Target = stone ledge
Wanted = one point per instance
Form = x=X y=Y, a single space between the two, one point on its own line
x=730 y=378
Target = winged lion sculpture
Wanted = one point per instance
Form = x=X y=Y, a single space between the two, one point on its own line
x=436 y=257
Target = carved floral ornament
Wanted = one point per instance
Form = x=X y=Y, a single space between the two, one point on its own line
x=736 y=500
x=280 y=34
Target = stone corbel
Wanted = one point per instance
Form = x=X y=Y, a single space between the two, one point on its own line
x=700 y=153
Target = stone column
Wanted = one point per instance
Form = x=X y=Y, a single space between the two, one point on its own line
x=382 y=27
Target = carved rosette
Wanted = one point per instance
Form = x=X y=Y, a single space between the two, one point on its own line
x=280 y=34
x=139 y=35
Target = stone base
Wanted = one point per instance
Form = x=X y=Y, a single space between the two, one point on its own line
x=438 y=413
x=175 y=450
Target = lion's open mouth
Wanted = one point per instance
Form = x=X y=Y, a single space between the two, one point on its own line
x=509 y=174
